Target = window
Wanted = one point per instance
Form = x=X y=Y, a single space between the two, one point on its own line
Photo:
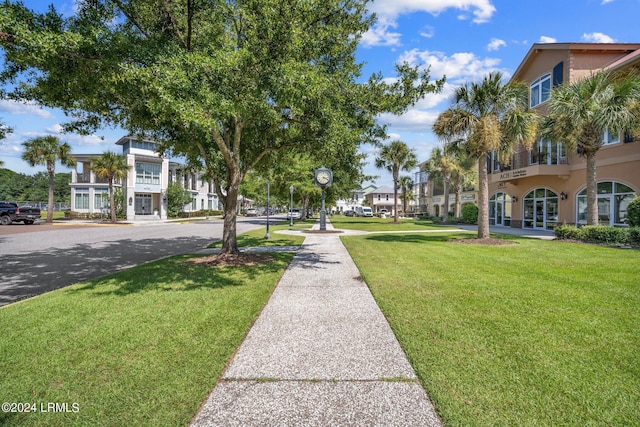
x=82 y=198
x=548 y=153
x=148 y=173
x=613 y=200
x=101 y=198
x=540 y=90
x=608 y=138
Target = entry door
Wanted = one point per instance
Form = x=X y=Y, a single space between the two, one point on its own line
x=539 y=214
x=604 y=209
x=143 y=204
x=499 y=212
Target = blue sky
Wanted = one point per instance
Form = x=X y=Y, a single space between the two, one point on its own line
x=461 y=39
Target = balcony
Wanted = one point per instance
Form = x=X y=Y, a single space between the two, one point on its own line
x=521 y=168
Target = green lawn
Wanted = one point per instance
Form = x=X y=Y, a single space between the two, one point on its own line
x=538 y=333
x=142 y=347
x=383 y=224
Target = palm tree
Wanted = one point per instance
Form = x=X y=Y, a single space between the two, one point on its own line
x=395 y=157
x=488 y=116
x=579 y=113
x=464 y=175
x=442 y=165
x=111 y=166
x=406 y=186
x=48 y=150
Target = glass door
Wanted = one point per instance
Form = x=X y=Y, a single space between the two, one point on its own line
x=143 y=204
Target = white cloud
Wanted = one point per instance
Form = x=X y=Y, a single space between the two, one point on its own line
x=547 y=39
x=482 y=10
x=597 y=38
x=388 y=11
x=380 y=34
x=427 y=31
x=606 y=1
x=57 y=128
x=414 y=120
x=496 y=44
x=13 y=107
x=459 y=67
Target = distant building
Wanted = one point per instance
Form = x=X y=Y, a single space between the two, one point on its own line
x=144 y=187
x=353 y=202
x=430 y=194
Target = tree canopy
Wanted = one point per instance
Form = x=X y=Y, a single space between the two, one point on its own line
x=488 y=116
x=226 y=83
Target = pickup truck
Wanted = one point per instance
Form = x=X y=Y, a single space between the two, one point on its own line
x=10 y=212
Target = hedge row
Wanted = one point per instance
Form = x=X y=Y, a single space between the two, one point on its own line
x=599 y=234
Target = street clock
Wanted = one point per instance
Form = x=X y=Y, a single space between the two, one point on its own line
x=323 y=177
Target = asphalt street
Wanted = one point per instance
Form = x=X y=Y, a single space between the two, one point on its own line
x=51 y=257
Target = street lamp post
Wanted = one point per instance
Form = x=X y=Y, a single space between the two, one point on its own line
x=291 y=207
x=268 y=236
x=323 y=215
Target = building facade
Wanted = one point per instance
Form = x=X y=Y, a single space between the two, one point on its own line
x=546 y=187
x=430 y=195
x=144 y=187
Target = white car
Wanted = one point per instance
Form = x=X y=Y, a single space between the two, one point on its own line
x=294 y=213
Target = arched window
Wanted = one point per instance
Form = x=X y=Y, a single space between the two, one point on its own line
x=613 y=199
x=540 y=209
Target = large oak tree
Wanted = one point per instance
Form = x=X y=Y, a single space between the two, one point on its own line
x=224 y=82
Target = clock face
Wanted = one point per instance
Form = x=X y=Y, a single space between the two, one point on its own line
x=323 y=177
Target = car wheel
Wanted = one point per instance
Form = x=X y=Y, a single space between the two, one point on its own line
x=5 y=220
x=29 y=222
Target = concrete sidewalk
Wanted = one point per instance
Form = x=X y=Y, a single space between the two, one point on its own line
x=320 y=353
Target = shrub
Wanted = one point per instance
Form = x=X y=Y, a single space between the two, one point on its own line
x=567 y=232
x=633 y=236
x=633 y=212
x=470 y=213
x=604 y=234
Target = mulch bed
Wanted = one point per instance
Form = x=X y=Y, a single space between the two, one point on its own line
x=487 y=242
x=233 y=260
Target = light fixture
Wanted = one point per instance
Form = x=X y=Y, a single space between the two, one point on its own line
x=514 y=198
x=563 y=196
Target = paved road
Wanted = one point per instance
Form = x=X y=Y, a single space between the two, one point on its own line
x=49 y=257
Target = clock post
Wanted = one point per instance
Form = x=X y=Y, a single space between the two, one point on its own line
x=324 y=179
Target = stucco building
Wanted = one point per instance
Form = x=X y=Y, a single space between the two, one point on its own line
x=546 y=186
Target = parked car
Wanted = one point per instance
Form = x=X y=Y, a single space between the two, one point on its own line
x=294 y=213
x=349 y=213
x=10 y=212
x=383 y=213
x=251 y=212
x=364 y=211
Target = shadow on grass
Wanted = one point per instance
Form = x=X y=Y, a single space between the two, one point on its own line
x=178 y=274
x=414 y=238
x=439 y=237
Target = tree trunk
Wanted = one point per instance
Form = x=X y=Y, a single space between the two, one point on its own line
x=396 y=172
x=112 y=205
x=52 y=174
x=592 y=189
x=229 y=237
x=483 y=198
x=457 y=203
x=446 y=199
